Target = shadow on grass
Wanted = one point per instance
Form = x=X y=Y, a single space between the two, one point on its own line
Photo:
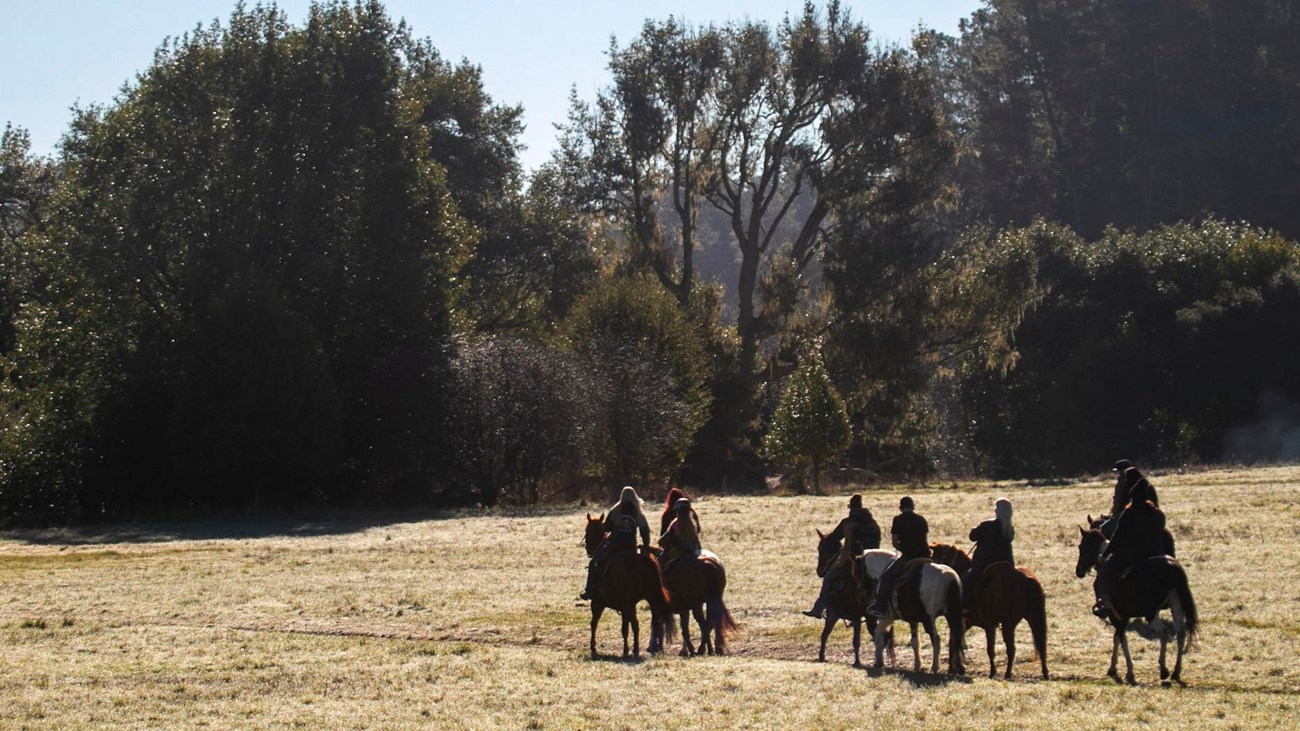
x=923 y=679
x=619 y=659
x=284 y=526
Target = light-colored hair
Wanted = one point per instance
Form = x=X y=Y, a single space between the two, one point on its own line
x=629 y=499
x=1002 y=509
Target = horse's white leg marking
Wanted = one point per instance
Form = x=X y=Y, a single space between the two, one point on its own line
x=916 y=650
x=934 y=647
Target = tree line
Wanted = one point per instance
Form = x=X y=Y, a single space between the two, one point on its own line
x=300 y=266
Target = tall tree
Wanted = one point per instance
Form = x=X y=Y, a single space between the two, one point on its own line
x=257 y=232
x=777 y=127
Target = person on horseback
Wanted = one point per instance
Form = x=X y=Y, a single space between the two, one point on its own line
x=682 y=537
x=1140 y=534
x=670 y=504
x=626 y=512
x=866 y=535
x=1130 y=487
x=910 y=534
x=992 y=544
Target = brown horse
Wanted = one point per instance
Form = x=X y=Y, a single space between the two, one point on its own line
x=627 y=578
x=695 y=585
x=851 y=601
x=1006 y=595
x=1153 y=584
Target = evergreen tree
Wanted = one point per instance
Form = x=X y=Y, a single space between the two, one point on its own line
x=811 y=426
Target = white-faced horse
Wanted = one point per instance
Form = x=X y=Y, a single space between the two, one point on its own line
x=938 y=594
x=1156 y=583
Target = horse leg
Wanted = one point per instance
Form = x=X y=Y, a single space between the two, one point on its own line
x=596 y=610
x=627 y=624
x=881 y=628
x=826 y=632
x=1009 y=639
x=990 y=642
x=916 y=650
x=932 y=628
x=706 y=641
x=1180 y=641
x=857 y=642
x=636 y=633
x=688 y=650
x=1121 y=636
x=1113 y=671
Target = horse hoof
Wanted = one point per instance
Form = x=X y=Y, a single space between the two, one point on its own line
x=1164 y=674
x=993 y=674
x=1130 y=680
x=858 y=665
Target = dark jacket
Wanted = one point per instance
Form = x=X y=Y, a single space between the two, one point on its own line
x=912 y=534
x=990 y=547
x=1143 y=491
x=1140 y=534
x=866 y=532
x=1123 y=486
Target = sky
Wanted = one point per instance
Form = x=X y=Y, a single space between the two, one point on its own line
x=55 y=54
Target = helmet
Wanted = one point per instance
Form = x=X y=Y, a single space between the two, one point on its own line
x=906 y=503
x=855 y=501
x=1122 y=465
x=682 y=505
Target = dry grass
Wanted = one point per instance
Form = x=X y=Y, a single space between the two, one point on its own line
x=471 y=622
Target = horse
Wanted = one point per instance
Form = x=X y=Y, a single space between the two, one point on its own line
x=851 y=602
x=695 y=585
x=627 y=578
x=924 y=592
x=1007 y=594
x=1153 y=584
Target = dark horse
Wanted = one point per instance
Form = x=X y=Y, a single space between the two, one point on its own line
x=851 y=601
x=695 y=585
x=1153 y=584
x=1006 y=595
x=628 y=577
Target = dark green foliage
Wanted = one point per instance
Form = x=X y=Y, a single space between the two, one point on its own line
x=1158 y=346
x=249 y=279
x=1130 y=113
x=26 y=184
x=651 y=362
x=810 y=427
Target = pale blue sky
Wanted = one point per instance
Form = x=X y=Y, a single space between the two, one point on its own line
x=56 y=53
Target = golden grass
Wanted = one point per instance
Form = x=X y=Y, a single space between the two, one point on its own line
x=471 y=622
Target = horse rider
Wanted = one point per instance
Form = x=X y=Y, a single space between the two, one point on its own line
x=866 y=535
x=1130 y=487
x=992 y=544
x=682 y=537
x=910 y=534
x=1140 y=534
x=670 y=503
x=629 y=506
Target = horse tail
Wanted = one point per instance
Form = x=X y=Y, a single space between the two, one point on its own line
x=1036 y=614
x=953 y=613
x=1189 y=606
x=719 y=617
x=657 y=596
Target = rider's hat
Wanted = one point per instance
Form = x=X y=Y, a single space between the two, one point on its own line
x=682 y=504
x=1122 y=465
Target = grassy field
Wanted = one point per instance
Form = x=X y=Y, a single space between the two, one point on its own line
x=471 y=622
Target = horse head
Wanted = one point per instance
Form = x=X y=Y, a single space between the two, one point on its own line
x=595 y=533
x=827 y=549
x=1091 y=544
